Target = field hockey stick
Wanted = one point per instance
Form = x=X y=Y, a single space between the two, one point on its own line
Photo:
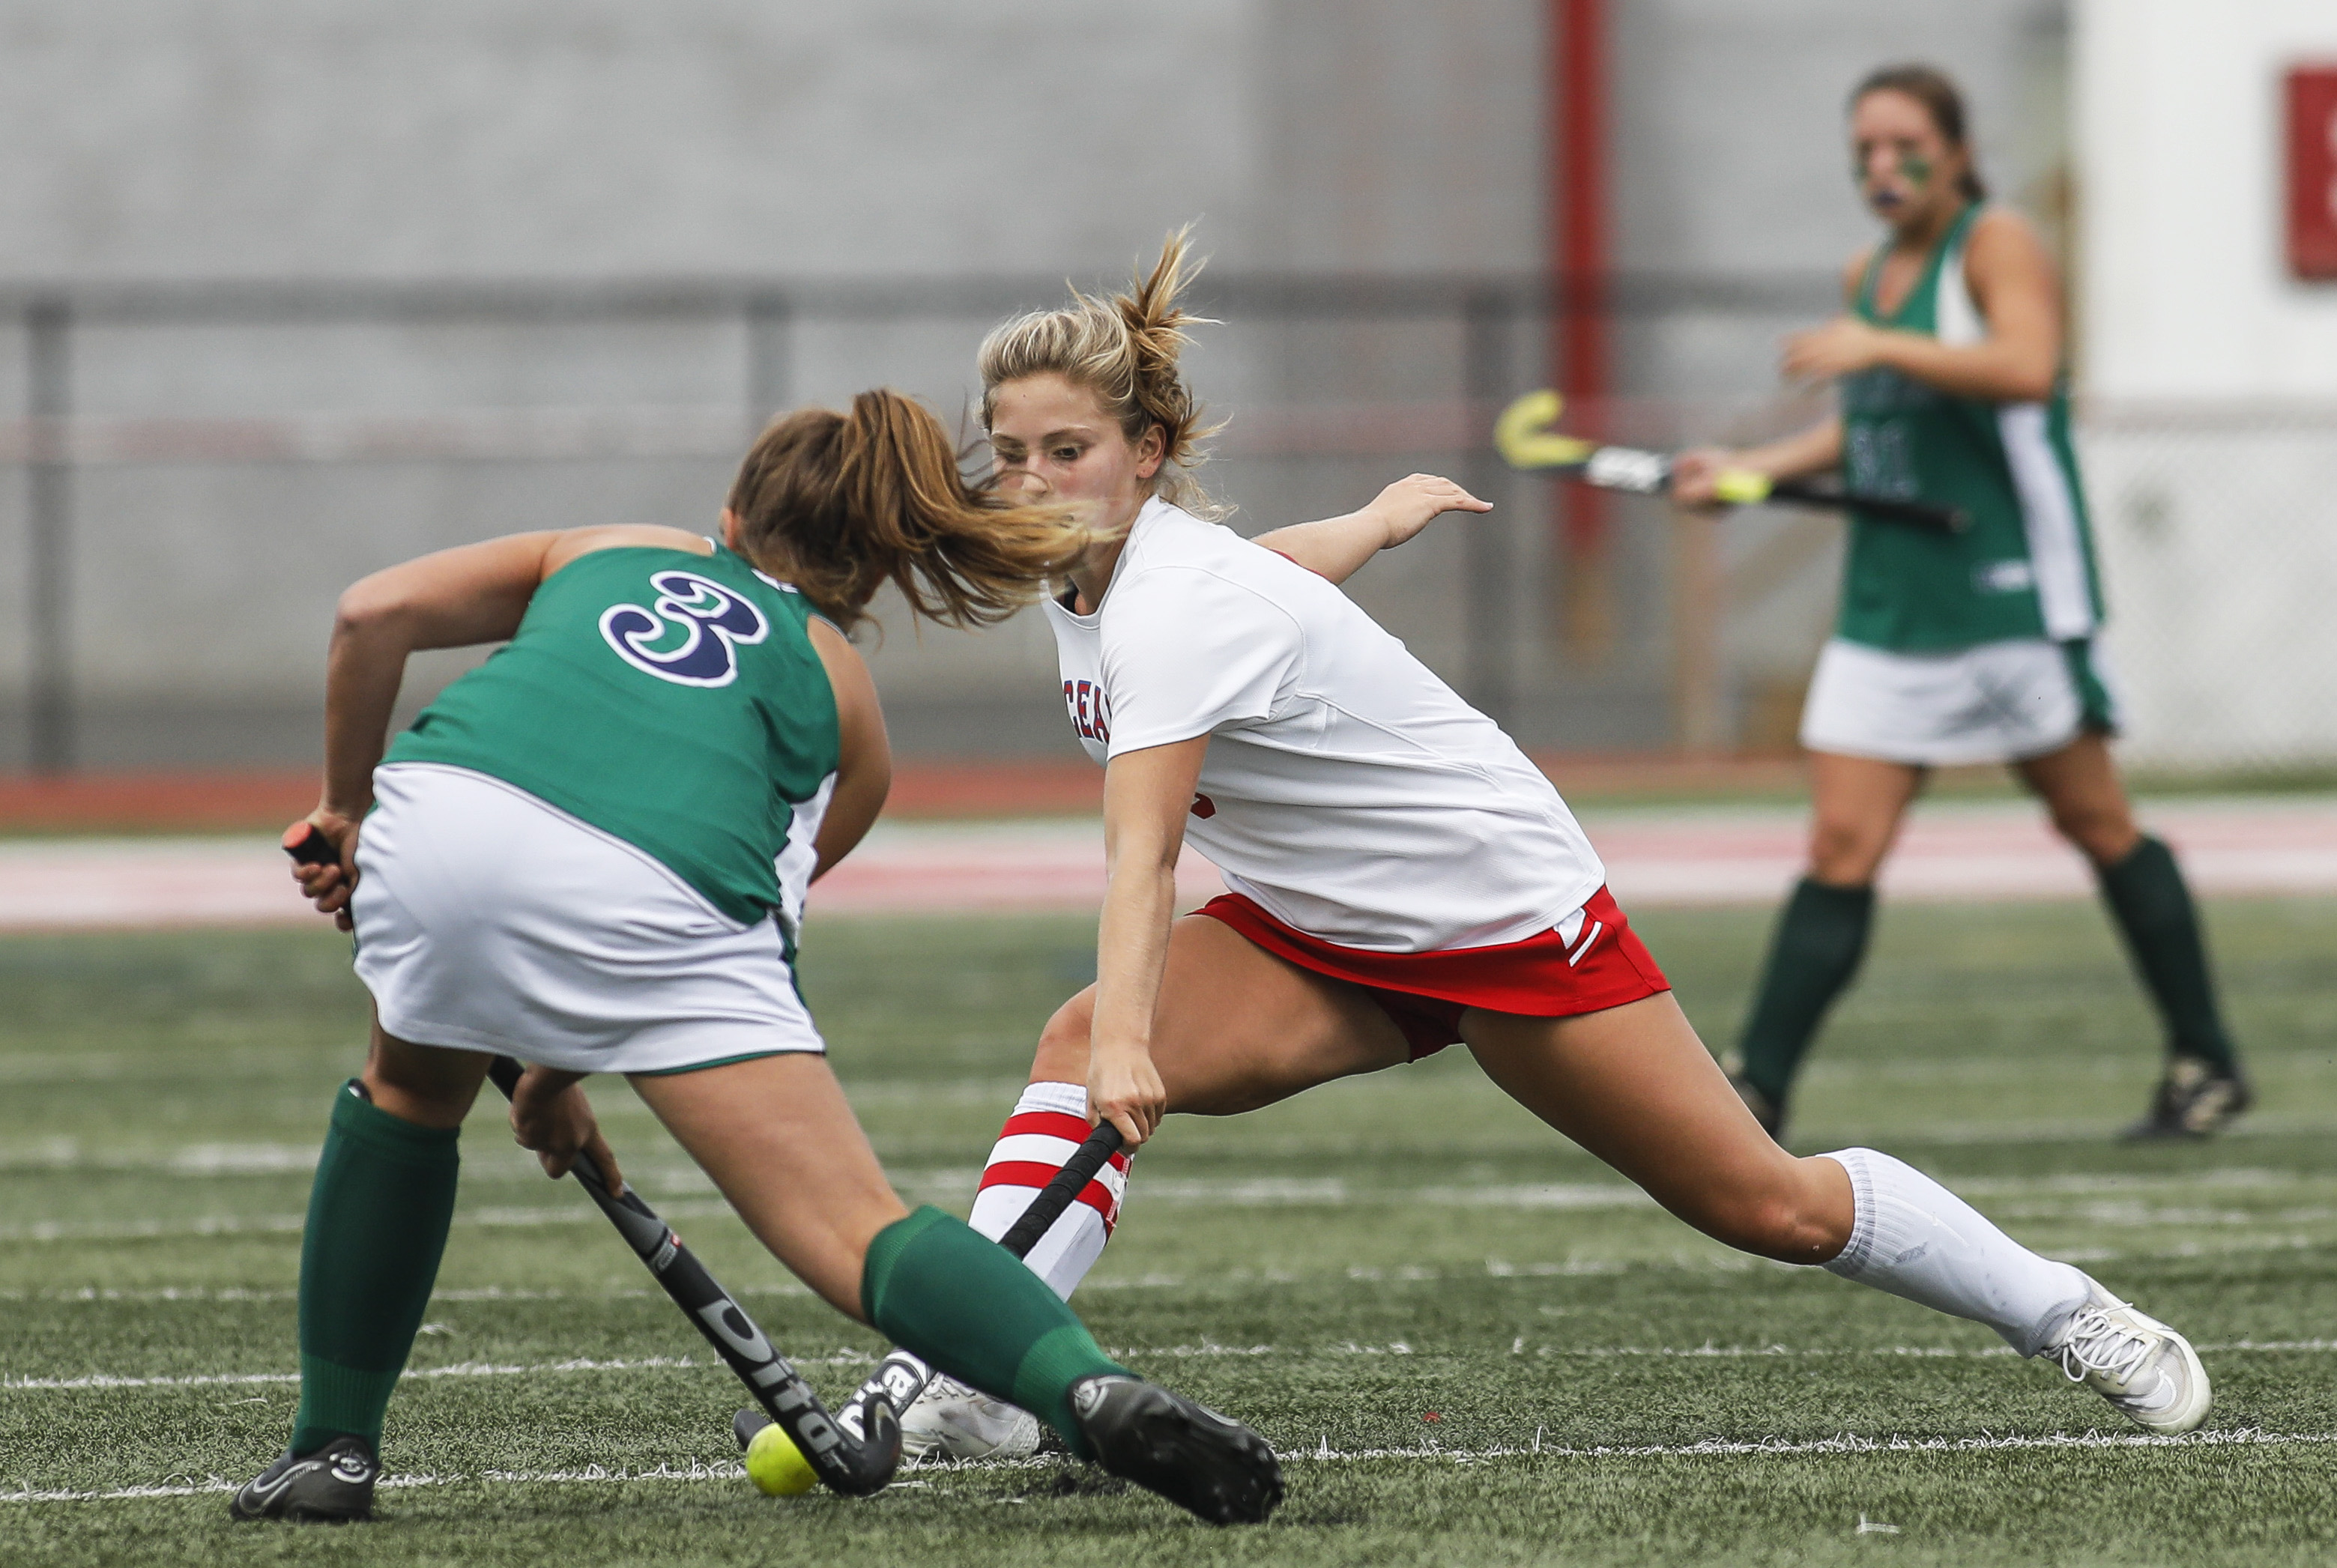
x=901 y=1377
x=856 y=1463
x=1526 y=440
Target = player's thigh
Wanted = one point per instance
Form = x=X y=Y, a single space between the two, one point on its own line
x=777 y=1138
x=1856 y=806
x=2079 y=784
x=1635 y=1087
x=1235 y=1027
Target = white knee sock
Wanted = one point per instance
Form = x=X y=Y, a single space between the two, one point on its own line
x=1914 y=1238
x=1048 y=1124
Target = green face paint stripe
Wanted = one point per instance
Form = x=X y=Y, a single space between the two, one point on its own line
x=1916 y=169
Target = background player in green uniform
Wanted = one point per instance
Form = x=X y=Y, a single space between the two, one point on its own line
x=1971 y=647
x=590 y=853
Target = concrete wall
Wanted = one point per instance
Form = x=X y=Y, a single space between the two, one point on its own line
x=2178 y=130
x=910 y=137
x=901 y=139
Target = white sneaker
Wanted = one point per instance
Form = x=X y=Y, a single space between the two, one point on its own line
x=952 y=1421
x=2147 y=1370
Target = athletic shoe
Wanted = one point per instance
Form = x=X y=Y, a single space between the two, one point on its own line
x=330 y=1486
x=2193 y=1100
x=2147 y=1370
x=952 y=1421
x=1766 y=1111
x=1165 y=1443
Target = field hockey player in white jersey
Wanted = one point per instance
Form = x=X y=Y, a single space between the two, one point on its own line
x=1402 y=879
x=590 y=853
x=1952 y=649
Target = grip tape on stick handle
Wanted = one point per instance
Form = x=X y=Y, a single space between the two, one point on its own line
x=1062 y=1191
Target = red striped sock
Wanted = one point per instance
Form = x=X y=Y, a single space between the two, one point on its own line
x=1048 y=1125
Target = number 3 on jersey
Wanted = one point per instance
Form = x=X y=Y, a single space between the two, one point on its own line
x=712 y=621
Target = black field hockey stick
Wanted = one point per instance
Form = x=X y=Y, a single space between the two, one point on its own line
x=856 y=1462
x=1526 y=440
x=901 y=1377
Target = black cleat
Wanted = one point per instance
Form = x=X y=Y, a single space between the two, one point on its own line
x=2193 y=1101
x=1218 y=1469
x=332 y=1486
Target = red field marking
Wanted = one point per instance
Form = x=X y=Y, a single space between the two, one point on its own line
x=258 y=801
x=134 y=803
x=1683 y=857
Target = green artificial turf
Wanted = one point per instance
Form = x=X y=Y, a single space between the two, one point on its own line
x=1435 y=1307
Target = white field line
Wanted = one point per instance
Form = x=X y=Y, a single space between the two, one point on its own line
x=1493 y=1268
x=1329 y=1193
x=110 y=1382
x=1847 y=1445
x=678 y=1181
x=463 y=1370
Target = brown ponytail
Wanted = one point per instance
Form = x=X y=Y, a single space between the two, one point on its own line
x=1937 y=92
x=1123 y=350
x=840 y=505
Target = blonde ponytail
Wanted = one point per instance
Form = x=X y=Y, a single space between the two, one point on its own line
x=1124 y=350
x=840 y=505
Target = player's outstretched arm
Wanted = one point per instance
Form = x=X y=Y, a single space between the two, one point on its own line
x=1335 y=547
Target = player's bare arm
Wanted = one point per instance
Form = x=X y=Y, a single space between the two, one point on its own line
x=471 y=594
x=550 y=1117
x=1336 y=546
x=1146 y=794
x=863 y=769
x=2013 y=286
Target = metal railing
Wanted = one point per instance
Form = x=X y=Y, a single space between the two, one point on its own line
x=1500 y=327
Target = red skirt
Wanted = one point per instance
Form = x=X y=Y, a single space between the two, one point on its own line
x=1425 y=993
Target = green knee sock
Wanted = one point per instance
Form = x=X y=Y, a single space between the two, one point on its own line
x=944 y=1292
x=2154 y=912
x=377 y=1219
x=1820 y=938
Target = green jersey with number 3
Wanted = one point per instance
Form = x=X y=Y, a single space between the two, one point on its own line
x=669 y=699
x=2025 y=567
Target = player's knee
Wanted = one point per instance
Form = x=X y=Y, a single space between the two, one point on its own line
x=2103 y=833
x=430 y=1099
x=1062 y=1054
x=1843 y=851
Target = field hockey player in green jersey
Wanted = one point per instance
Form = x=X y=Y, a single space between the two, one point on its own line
x=1971 y=647
x=590 y=854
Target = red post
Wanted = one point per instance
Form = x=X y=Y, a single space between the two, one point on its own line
x=2313 y=172
x=1575 y=98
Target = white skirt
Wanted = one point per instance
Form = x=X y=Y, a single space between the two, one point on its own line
x=489 y=920
x=1990 y=703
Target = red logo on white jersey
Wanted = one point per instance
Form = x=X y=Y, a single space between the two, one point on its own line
x=1204 y=807
x=1089 y=709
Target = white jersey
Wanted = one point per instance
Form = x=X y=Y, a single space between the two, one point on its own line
x=1346 y=789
